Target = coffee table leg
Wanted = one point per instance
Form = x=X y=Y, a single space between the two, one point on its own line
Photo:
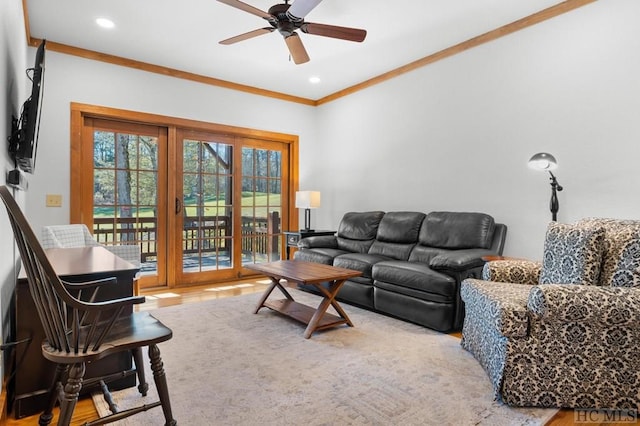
x=317 y=315
x=329 y=299
x=275 y=282
x=335 y=286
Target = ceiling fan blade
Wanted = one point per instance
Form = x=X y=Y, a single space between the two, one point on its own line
x=245 y=36
x=248 y=8
x=300 y=8
x=296 y=48
x=343 y=33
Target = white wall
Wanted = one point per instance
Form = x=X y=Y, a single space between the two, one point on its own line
x=456 y=135
x=72 y=79
x=13 y=48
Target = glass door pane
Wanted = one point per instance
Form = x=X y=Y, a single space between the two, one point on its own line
x=261 y=204
x=207 y=199
x=125 y=193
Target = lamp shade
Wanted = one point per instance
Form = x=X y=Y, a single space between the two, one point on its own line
x=543 y=161
x=307 y=199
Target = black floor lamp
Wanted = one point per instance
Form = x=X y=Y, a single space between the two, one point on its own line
x=543 y=161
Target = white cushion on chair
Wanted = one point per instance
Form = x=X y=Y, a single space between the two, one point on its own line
x=78 y=235
x=67 y=236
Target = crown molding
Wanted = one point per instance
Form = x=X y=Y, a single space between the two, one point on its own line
x=520 y=24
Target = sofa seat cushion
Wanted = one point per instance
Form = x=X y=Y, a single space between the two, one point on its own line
x=362 y=262
x=415 y=276
x=603 y=307
x=501 y=306
x=318 y=255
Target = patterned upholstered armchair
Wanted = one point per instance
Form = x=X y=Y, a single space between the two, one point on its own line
x=564 y=332
x=78 y=235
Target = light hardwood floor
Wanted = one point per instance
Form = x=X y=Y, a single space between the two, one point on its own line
x=158 y=298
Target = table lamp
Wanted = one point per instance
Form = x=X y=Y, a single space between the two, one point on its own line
x=307 y=200
x=544 y=161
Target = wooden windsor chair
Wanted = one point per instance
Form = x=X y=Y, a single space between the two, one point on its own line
x=79 y=330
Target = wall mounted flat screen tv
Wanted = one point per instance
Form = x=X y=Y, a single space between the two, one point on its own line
x=23 y=142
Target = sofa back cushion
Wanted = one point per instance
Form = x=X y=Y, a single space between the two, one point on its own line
x=621 y=251
x=397 y=234
x=358 y=230
x=457 y=230
x=572 y=254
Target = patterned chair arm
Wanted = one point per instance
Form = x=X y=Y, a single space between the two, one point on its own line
x=518 y=271
x=501 y=305
x=602 y=306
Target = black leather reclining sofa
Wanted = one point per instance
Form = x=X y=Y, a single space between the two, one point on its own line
x=412 y=263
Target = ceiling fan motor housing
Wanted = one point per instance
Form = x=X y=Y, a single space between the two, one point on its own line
x=285 y=25
x=279 y=11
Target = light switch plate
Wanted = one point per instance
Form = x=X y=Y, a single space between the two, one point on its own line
x=54 y=200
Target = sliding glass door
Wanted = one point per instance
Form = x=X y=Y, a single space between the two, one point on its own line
x=201 y=201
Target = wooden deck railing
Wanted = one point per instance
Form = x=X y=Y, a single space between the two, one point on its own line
x=199 y=234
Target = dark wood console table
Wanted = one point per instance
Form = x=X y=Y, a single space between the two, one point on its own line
x=33 y=373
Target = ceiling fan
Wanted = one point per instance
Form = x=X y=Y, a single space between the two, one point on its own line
x=287 y=19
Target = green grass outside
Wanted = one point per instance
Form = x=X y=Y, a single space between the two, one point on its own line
x=211 y=204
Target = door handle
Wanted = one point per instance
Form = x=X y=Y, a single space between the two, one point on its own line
x=178 y=205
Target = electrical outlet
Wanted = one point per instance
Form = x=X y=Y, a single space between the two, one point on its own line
x=54 y=200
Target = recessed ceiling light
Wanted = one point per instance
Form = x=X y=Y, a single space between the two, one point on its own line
x=314 y=79
x=105 y=23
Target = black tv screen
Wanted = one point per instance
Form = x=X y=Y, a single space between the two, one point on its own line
x=23 y=142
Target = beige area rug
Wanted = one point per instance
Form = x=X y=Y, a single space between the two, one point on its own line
x=227 y=366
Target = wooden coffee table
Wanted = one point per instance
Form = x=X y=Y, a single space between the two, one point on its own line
x=306 y=273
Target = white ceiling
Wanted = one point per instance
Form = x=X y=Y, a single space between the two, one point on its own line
x=184 y=35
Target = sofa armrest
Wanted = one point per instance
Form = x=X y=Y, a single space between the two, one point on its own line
x=324 y=241
x=602 y=306
x=518 y=271
x=459 y=260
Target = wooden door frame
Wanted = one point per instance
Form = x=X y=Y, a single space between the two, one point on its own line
x=78 y=170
